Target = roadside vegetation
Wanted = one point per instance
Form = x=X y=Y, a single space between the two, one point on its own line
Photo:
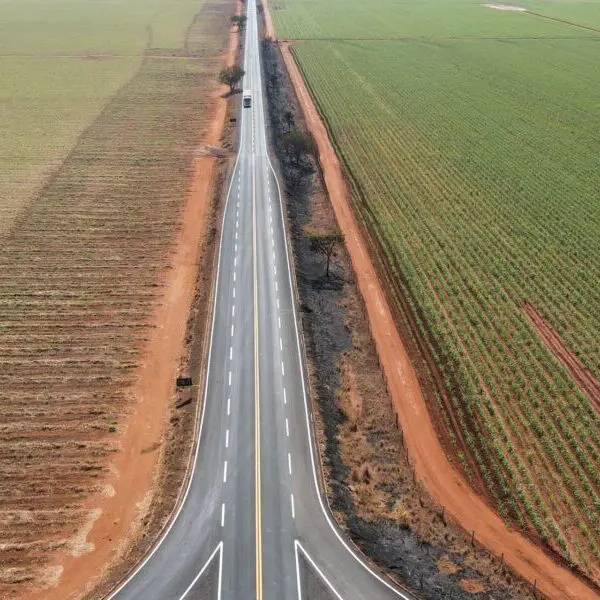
x=469 y=136
x=102 y=111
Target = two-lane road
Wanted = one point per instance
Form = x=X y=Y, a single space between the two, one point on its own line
x=253 y=522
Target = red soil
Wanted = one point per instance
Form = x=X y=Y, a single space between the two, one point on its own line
x=135 y=468
x=586 y=381
x=431 y=464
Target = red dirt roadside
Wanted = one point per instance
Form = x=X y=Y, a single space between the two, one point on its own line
x=135 y=469
x=431 y=465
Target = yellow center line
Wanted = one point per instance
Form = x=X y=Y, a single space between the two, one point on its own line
x=258 y=508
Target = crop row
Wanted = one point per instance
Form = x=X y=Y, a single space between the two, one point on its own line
x=479 y=203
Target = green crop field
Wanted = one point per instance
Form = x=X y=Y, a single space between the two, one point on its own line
x=471 y=138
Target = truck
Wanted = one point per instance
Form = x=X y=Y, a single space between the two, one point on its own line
x=247 y=100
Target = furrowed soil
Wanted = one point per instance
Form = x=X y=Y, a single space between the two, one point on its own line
x=427 y=457
x=99 y=273
x=369 y=479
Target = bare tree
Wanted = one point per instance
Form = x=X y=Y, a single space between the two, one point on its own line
x=297 y=146
x=231 y=76
x=288 y=117
x=239 y=20
x=325 y=243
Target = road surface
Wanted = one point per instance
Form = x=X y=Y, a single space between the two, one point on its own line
x=253 y=524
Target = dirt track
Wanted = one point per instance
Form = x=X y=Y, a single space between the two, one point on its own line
x=134 y=470
x=430 y=462
x=588 y=384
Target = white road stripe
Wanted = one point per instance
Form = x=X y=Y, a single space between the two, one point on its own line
x=234 y=276
x=227 y=439
x=275 y=270
x=276 y=287
x=280 y=344
x=282 y=369
x=233 y=310
x=229 y=377
x=293 y=509
x=234 y=291
x=234 y=262
x=284 y=396
x=287 y=428
x=223 y=514
x=230 y=352
x=279 y=322
x=235 y=248
x=277 y=303
x=236 y=235
x=225 y=472
x=290 y=463
x=228 y=406
x=232 y=330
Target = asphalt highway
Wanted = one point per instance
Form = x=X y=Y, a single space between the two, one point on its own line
x=253 y=521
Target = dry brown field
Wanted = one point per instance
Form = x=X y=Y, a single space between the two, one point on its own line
x=82 y=271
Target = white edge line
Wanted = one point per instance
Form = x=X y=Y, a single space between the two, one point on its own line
x=297 y=545
x=220 y=586
x=300 y=358
x=299 y=587
x=219 y=549
x=212 y=333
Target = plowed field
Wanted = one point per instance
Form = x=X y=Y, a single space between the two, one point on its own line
x=85 y=250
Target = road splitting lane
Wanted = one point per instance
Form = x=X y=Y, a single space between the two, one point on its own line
x=253 y=491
